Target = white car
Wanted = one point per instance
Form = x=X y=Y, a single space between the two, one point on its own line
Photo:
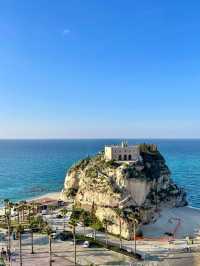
x=86 y=244
x=54 y=235
x=90 y=235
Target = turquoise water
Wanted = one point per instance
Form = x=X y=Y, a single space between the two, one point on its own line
x=30 y=168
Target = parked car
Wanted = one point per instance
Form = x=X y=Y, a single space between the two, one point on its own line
x=90 y=235
x=86 y=244
x=55 y=235
x=59 y=216
x=65 y=235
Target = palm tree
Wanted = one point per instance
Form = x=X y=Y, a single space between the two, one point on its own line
x=33 y=207
x=6 y=201
x=32 y=226
x=39 y=221
x=119 y=213
x=16 y=208
x=35 y=223
x=8 y=221
x=20 y=212
x=20 y=230
x=85 y=219
x=73 y=223
x=9 y=206
x=49 y=232
x=23 y=205
x=96 y=225
x=106 y=222
x=29 y=208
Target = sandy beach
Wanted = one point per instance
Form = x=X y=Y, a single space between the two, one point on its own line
x=182 y=222
x=51 y=195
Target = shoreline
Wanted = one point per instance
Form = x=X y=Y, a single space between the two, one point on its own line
x=53 y=195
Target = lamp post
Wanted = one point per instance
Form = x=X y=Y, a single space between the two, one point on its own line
x=135 y=221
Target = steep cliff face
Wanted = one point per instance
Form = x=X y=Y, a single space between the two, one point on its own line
x=132 y=189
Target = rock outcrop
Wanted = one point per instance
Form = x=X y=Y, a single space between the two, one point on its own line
x=123 y=191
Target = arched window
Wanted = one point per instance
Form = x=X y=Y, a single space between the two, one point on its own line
x=125 y=157
x=120 y=157
x=129 y=157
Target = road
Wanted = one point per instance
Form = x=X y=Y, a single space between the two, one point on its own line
x=156 y=251
x=63 y=253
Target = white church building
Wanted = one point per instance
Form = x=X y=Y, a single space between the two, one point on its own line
x=122 y=152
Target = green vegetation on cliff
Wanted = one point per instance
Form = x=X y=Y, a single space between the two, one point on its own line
x=138 y=188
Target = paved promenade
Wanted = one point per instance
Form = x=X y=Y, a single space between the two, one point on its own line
x=63 y=254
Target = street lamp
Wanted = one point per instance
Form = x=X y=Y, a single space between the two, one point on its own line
x=135 y=221
x=132 y=218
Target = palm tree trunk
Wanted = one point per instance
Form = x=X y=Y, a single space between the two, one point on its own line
x=120 y=232
x=84 y=229
x=134 y=233
x=74 y=235
x=8 y=224
x=29 y=216
x=94 y=234
x=18 y=217
x=9 y=236
x=20 y=248
x=50 y=251
x=23 y=214
x=32 y=251
x=64 y=223
x=106 y=234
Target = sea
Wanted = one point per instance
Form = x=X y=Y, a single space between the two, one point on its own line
x=30 y=168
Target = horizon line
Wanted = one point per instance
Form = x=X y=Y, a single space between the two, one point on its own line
x=107 y=138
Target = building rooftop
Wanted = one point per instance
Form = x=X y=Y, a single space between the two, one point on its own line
x=124 y=144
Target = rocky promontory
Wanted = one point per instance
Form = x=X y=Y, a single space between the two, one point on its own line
x=121 y=192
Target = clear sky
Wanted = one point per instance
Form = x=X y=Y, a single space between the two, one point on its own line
x=99 y=68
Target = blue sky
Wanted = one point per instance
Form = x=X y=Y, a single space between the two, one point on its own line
x=99 y=68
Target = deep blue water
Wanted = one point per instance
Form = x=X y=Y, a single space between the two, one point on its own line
x=30 y=168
